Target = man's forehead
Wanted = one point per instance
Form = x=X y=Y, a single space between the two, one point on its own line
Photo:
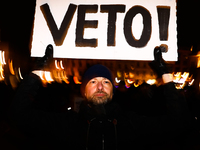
x=100 y=78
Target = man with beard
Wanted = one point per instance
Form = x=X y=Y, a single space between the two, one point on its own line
x=100 y=123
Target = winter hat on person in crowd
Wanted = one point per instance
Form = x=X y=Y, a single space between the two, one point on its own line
x=96 y=71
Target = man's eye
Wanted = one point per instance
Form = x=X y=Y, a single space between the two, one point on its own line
x=106 y=81
x=93 y=82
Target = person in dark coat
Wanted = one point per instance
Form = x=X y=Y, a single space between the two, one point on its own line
x=100 y=124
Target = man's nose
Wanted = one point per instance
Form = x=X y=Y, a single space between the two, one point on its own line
x=100 y=86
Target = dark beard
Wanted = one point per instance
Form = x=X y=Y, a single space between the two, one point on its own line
x=99 y=100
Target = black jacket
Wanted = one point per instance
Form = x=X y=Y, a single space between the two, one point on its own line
x=114 y=129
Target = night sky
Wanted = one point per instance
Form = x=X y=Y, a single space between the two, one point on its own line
x=188 y=24
x=16 y=20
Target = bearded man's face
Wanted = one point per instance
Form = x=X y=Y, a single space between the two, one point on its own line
x=99 y=90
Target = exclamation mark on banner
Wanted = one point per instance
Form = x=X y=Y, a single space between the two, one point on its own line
x=163 y=21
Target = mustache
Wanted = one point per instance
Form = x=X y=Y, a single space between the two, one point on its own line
x=100 y=92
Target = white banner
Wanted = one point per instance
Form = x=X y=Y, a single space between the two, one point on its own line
x=105 y=29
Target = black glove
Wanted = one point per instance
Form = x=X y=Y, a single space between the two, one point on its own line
x=44 y=63
x=158 y=65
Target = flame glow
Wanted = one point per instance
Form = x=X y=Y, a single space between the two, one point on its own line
x=151 y=81
x=56 y=64
x=61 y=65
x=182 y=79
x=48 y=77
x=76 y=80
x=116 y=80
x=129 y=81
x=20 y=75
x=11 y=67
x=2 y=63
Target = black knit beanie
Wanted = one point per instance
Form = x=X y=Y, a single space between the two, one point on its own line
x=96 y=71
